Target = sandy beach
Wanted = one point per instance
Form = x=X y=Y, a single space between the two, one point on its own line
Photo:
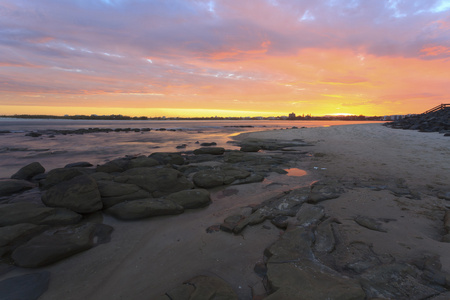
x=396 y=181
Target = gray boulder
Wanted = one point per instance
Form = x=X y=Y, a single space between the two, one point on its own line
x=11 y=186
x=158 y=181
x=113 y=193
x=25 y=287
x=210 y=150
x=29 y=171
x=221 y=176
x=140 y=162
x=12 y=236
x=56 y=176
x=144 y=208
x=79 y=194
x=167 y=158
x=194 y=198
x=58 y=243
x=23 y=212
x=117 y=165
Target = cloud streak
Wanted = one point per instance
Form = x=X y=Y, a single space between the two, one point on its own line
x=203 y=54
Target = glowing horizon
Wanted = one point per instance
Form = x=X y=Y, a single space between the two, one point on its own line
x=227 y=58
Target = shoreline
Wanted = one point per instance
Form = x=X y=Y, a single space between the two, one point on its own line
x=381 y=193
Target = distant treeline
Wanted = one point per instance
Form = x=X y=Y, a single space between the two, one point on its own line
x=121 y=117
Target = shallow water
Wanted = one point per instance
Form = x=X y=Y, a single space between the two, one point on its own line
x=18 y=150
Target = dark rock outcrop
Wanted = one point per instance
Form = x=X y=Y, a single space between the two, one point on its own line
x=193 y=198
x=29 y=171
x=438 y=121
x=11 y=186
x=144 y=208
x=113 y=193
x=79 y=194
x=17 y=213
x=58 y=243
x=157 y=181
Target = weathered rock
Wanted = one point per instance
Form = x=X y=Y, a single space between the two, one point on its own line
x=231 y=222
x=158 y=181
x=310 y=214
x=438 y=121
x=294 y=245
x=369 y=223
x=145 y=208
x=210 y=150
x=447 y=221
x=208 y=144
x=114 y=166
x=58 y=243
x=255 y=218
x=309 y=280
x=11 y=236
x=395 y=281
x=325 y=240
x=202 y=287
x=141 y=162
x=113 y=193
x=193 y=198
x=29 y=171
x=250 y=148
x=168 y=158
x=81 y=164
x=280 y=221
x=56 y=176
x=11 y=186
x=221 y=176
x=25 y=287
x=79 y=194
x=294 y=273
x=321 y=191
x=33 y=213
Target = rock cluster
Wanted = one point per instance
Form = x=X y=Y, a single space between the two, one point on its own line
x=46 y=217
x=315 y=258
x=438 y=121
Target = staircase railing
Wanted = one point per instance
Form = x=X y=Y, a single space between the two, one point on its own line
x=439 y=107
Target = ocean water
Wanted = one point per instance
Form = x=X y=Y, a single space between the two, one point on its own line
x=55 y=151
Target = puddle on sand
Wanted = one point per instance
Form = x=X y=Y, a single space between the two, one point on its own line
x=295 y=172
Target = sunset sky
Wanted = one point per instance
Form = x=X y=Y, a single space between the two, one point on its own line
x=223 y=57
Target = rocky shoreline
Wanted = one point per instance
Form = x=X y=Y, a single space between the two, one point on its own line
x=438 y=121
x=47 y=217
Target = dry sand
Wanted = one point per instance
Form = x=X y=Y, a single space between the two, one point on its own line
x=146 y=258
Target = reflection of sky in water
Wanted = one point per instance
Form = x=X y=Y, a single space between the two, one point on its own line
x=18 y=150
x=295 y=172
